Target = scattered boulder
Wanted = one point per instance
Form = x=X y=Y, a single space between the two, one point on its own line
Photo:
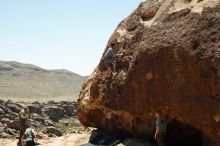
x=53 y=130
x=2 y=102
x=69 y=109
x=35 y=108
x=14 y=114
x=75 y=123
x=38 y=118
x=2 y=112
x=14 y=107
x=4 y=120
x=41 y=135
x=63 y=103
x=48 y=123
x=2 y=116
x=55 y=111
x=4 y=108
x=42 y=116
x=7 y=132
x=14 y=124
x=55 y=119
x=5 y=135
x=51 y=102
x=2 y=127
x=10 y=131
x=11 y=116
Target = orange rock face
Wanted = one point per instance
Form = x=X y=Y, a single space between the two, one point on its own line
x=168 y=57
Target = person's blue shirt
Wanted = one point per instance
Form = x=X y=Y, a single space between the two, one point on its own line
x=161 y=123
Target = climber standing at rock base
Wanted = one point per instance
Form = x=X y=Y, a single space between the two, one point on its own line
x=22 y=117
x=160 y=128
x=108 y=58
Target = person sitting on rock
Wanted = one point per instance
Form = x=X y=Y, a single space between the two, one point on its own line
x=29 y=136
x=22 y=117
x=160 y=128
x=109 y=58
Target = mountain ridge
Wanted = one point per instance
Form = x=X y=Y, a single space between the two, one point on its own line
x=16 y=63
x=19 y=80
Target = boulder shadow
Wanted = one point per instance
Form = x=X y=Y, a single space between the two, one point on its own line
x=180 y=134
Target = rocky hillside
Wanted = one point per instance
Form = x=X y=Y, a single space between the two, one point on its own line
x=27 y=81
x=48 y=119
x=168 y=58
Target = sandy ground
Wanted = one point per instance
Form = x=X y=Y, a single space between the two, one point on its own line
x=67 y=140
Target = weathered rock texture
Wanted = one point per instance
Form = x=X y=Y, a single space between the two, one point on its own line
x=168 y=57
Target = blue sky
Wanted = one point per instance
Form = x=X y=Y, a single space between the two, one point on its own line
x=57 y=34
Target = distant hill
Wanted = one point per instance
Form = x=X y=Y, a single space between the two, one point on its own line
x=28 y=81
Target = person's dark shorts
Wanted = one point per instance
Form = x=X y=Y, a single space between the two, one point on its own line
x=161 y=139
x=30 y=143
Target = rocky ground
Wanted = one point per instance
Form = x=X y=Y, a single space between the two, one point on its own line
x=51 y=119
x=55 y=124
x=73 y=139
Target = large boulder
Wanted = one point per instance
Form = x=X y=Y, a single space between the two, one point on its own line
x=167 y=57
